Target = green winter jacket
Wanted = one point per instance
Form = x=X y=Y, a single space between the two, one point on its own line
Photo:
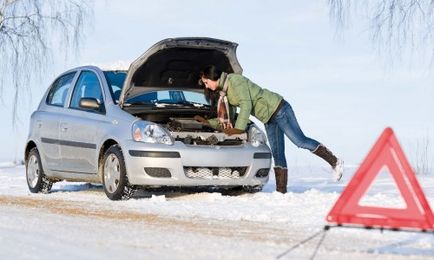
x=250 y=98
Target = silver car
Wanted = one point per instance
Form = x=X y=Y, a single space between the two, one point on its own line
x=136 y=129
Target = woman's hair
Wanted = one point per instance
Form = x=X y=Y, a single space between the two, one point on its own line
x=211 y=72
x=212 y=98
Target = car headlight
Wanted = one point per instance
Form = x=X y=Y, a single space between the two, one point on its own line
x=147 y=132
x=256 y=136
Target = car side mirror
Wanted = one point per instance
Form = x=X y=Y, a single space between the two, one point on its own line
x=90 y=103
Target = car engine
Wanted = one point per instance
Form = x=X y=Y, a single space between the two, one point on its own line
x=191 y=132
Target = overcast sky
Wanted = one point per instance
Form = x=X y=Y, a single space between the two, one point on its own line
x=343 y=91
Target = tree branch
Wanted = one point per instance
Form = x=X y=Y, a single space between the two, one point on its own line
x=395 y=24
x=30 y=32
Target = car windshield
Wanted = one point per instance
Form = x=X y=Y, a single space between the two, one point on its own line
x=115 y=79
x=169 y=97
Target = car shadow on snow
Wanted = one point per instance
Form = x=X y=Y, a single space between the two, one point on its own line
x=175 y=192
x=300 y=186
x=76 y=187
x=168 y=192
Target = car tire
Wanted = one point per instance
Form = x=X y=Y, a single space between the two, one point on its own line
x=37 y=181
x=114 y=175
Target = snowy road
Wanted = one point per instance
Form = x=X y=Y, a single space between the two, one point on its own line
x=77 y=220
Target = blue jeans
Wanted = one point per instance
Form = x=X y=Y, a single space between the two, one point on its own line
x=284 y=122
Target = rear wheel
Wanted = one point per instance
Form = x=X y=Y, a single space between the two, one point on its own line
x=114 y=175
x=37 y=181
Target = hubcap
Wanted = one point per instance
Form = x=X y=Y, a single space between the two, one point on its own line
x=112 y=173
x=33 y=171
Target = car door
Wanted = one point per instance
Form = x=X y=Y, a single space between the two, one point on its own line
x=80 y=128
x=47 y=121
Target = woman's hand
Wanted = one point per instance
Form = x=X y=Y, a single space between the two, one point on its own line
x=200 y=119
x=233 y=131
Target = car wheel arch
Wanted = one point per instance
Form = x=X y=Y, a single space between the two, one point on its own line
x=104 y=147
x=120 y=190
x=30 y=145
x=37 y=182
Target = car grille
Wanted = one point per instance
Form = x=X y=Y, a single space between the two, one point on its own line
x=215 y=172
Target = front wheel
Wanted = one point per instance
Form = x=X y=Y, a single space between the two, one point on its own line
x=37 y=181
x=114 y=175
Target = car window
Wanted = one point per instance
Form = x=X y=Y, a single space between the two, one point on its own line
x=195 y=97
x=169 y=96
x=59 y=90
x=115 y=80
x=87 y=86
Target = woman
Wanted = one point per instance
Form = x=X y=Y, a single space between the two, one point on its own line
x=272 y=110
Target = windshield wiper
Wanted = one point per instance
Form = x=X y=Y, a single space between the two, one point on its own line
x=168 y=104
x=127 y=104
x=195 y=104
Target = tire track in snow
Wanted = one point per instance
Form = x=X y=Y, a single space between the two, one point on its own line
x=231 y=229
x=278 y=239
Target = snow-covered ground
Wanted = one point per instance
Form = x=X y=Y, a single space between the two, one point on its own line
x=77 y=220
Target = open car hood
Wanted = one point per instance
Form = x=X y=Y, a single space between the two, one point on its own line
x=175 y=63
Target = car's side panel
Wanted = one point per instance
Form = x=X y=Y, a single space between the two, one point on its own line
x=80 y=133
x=47 y=124
x=45 y=121
x=81 y=129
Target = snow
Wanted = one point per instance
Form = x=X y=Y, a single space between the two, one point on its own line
x=7 y=164
x=117 y=65
x=77 y=220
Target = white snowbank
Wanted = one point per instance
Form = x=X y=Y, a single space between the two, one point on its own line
x=299 y=213
x=7 y=164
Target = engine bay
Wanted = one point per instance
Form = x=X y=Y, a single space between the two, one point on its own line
x=191 y=132
x=186 y=129
x=187 y=124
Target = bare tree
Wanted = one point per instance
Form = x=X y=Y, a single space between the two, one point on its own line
x=31 y=32
x=396 y=25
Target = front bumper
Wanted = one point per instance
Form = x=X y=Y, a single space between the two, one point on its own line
x=196 y=165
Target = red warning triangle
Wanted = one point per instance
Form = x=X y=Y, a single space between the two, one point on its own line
x=386 y=152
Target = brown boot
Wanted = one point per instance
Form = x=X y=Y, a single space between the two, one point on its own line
x=281 y=179
x=326 y=154
x=336 y=164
